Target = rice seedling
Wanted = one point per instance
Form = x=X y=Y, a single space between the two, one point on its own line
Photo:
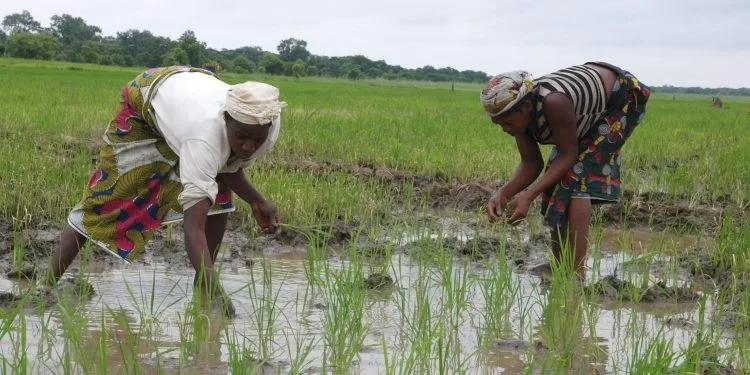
x=378 y=157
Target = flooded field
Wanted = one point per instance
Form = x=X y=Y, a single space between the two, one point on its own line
x=386 y=263
x=434 y=293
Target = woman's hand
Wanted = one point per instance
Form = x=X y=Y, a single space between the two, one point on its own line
x=496 y=205
x=266 y=216
x=519 y=207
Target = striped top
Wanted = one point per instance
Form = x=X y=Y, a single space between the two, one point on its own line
x=584 y=86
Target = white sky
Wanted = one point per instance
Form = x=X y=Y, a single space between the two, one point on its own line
x=682 y=43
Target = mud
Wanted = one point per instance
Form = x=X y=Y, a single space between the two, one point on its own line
x=8 y=298
x=735 y=312
x=26 y=270
x=520 y=345
x=710 y=365
x=700 y=265
x=378 y=281
x=68 y=148
x=440 y=191
x=476 y=248
x=37 y=242
x=473 y=240
x=6 y=237
x=613 y=289
x=68 y=289
x=679 y=322
x=640 y=211
x=657 y=211
x=374 y=250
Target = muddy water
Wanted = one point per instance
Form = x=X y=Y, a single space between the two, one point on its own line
x=601 y=343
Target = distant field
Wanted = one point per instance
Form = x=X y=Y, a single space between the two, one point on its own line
x=50 y=113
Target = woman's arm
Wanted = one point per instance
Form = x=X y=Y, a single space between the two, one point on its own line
x=528 y=169
x=238 y=183
x=195 y=236
x=200 y=256
x=263 y=211
x=562 y=122
x=559 y=111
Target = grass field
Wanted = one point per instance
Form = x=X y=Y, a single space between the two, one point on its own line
x=373 y=177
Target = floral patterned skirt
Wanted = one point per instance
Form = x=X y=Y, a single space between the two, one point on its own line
x=134 y=188
x=596 y=174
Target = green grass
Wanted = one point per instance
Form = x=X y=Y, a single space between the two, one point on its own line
x=446 y=311
x=51 y=114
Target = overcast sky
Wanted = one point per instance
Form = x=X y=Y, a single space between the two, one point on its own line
x=677 y=42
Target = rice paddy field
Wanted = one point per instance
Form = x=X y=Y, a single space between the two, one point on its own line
x=386 y=263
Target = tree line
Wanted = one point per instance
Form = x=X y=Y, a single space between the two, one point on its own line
x=720 y=91
x=69 y=38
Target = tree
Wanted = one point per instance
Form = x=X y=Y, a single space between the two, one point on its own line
x=176 y=56
x=192 y=47
x=251 y=53
x=142 y=48
x=33 y=46
x=271 y=63
x=354 y=74
x=242 y=65
x=73 y=32
x=298 y=69
x=293 y=49
x=311 y=70
x=287 y=69
x=3 y=39
x=20 y=23
x=91 y=52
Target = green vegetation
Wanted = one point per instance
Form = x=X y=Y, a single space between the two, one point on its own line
x=367 y=155
x=70 y=38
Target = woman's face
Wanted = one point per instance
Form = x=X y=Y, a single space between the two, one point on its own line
x=245 y=139
x=516 y=120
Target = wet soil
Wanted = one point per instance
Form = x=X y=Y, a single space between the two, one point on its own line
x=520 y=345
x=657 y=211
x=68 y=288
x=613 y=289
x=480 y=247
x=735 y=313
x=442 y=193
x=378 y=281
x=445 y=195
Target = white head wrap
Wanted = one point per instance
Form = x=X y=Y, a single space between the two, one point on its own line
x=503 y=91
x=253 y=103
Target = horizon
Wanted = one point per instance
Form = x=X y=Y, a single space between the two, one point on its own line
x=709 y=36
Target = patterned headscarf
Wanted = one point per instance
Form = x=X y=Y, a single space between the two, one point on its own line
x=505 y=90
x=253 y=103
